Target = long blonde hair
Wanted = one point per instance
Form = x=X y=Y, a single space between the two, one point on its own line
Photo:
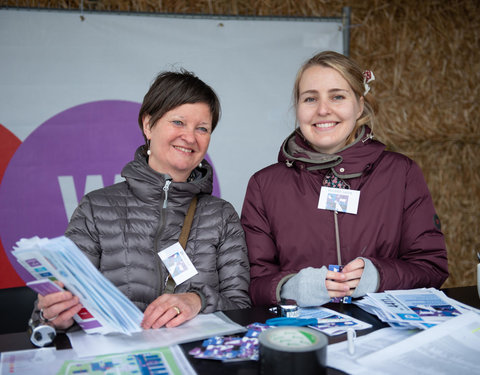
x=352 y=73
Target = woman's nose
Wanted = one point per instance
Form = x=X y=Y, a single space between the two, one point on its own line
x=188 y=135
x=323 y=107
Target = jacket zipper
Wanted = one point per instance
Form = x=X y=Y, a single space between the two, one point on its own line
x=165 y=189
x=367 y=137
x=159 y=230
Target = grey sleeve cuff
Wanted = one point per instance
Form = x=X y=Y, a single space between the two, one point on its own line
x=369 y=281
x=203 y=299
x=307 y=287
x=280 y=285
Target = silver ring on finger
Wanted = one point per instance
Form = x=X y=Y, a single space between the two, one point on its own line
x=42 y=317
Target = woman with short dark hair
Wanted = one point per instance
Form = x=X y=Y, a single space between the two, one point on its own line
x=123 y=227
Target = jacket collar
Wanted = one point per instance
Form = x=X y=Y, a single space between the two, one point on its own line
x=349 y=162
x=147 y=184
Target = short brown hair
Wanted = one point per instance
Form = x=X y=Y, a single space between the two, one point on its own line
x=173 y=89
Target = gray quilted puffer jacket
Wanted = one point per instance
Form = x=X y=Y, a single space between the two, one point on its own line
x=120 y=228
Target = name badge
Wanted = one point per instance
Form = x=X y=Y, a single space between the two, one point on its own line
x=178 y=263
x=340 y=200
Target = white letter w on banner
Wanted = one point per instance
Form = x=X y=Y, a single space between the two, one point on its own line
x=69 y=193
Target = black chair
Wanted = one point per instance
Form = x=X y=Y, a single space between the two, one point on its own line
x=16 y=305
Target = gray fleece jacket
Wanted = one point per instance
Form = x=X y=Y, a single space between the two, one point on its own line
x=122 y=227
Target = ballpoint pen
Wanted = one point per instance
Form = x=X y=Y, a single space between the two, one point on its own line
x=285 y=321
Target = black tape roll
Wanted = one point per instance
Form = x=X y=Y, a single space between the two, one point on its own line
x=293 y=350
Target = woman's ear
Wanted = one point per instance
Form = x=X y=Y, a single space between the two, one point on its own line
x=361 y=103
x=146 y=125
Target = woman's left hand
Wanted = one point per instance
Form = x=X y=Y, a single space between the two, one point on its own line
x=171 y=310
x=353 y=272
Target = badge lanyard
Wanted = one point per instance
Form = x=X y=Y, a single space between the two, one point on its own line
x=338 y=200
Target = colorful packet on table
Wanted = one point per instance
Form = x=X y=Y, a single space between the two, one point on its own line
x=346 y=299
x=232 y=348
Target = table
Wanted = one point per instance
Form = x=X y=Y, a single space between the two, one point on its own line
x=467 y=295
x=260 y=314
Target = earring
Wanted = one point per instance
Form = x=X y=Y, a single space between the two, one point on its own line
x=148 y=146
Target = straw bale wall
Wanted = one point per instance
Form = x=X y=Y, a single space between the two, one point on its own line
x=425 y=55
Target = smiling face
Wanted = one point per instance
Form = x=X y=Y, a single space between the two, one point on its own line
x=179 y=139
x=327 y=108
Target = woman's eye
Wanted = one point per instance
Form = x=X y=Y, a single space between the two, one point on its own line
x=338 y=97
x=203 y=129
x=177 y=122
x=309 y=100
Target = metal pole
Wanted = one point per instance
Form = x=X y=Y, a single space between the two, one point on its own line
x=346 y=31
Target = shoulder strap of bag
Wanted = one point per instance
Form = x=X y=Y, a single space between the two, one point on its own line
x=187 y=224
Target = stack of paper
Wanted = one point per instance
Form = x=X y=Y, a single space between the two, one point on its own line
x=106 y=309
x=451 y=347
x=198 y=328
x=415 y=308
x=331 y=322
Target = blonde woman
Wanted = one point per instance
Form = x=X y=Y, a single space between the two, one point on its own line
x=337 y=197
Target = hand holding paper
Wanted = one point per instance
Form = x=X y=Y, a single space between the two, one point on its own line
x=60 y=307
x=106 y=309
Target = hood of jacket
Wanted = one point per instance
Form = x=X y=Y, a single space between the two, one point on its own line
x=349 y=162
x=148 y=184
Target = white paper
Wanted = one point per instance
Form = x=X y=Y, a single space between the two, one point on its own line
x=200 y=327
x=341 y=200
x=397 y=311
x=178 y=263
x=414 y=308
x=452 y=347
x=430 y=304
x=107 y=308
x=49 y=361
x=331 y=322
x=42 y=361
x=164 y=360
x=339 y=358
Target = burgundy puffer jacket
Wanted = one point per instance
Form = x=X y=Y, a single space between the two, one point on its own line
x=396 y=226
